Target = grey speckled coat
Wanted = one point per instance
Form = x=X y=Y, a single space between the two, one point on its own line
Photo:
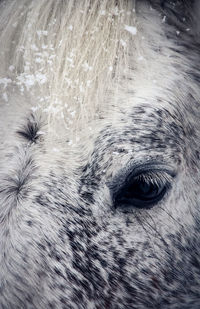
x=119 y=229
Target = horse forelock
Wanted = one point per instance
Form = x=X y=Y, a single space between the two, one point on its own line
x=66 y=54
x=72 y=57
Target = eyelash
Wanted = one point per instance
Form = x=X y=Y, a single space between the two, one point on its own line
x=155 y=178
x=142 y=188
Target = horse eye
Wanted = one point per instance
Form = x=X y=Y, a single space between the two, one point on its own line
x=140 y=194
x=140 y=189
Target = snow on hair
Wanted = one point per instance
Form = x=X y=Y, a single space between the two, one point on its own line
x=66 y=54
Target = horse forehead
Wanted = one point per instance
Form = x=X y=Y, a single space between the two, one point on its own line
x=152 y=119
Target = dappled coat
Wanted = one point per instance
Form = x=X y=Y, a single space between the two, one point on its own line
x=99 y=154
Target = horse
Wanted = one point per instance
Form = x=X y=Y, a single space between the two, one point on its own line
x=99 y=154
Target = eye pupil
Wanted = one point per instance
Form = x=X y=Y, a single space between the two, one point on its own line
x=145 y=188
x=141 y=189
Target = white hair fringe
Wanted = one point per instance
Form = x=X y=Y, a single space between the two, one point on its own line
x=67 y=54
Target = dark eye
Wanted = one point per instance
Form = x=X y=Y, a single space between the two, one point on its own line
x=142 y=188
x=141 y=194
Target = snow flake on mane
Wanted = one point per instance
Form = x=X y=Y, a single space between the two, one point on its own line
x=67 y=54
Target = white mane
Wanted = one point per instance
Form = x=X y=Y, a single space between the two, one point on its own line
x=67 y=55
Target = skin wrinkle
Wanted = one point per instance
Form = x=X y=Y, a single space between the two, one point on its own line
x=63 y=244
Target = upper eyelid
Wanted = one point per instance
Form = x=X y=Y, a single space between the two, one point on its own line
x=134 y=169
